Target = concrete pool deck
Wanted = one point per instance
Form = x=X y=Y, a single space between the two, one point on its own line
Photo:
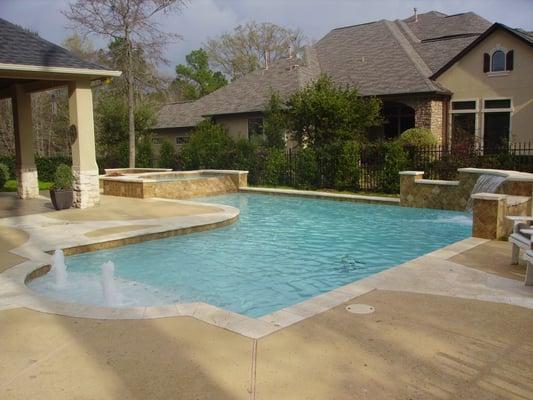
x=450 y=324
x=414 y=346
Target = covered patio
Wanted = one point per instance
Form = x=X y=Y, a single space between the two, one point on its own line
x=30 y=64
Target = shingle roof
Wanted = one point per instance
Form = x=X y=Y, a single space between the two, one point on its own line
x=247 y=94
x=179 y=114
x=397 y=57
x=18 y=46
x=378 y=58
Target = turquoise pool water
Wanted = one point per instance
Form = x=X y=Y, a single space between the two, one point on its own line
x=281 y=251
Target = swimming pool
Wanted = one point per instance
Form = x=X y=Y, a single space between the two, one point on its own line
x=281 y=251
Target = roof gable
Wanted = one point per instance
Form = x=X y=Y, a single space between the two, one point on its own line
x=520 y=35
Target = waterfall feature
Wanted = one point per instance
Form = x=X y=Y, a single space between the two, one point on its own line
x=108 y=284
x=59 y=269
x=486 y=183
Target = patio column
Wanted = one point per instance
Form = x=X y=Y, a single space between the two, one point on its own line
x=86 y=186
x=25 y=170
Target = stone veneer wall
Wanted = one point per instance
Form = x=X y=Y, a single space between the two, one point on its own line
x=429 y=113
x=86 y=188
x=175 y=189
x=27 y=183
x=443 y=195
x=513 y=198
x=185 y=189
x=490 y=211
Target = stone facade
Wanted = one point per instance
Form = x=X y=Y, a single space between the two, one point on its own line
x=490 y=211
x=27 y=183
x=86 y=188
x=442 y=195
x=429 y=113
x=175 y=189
x=513 y=198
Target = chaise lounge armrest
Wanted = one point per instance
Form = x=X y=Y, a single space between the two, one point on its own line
x=520 y=223
x=519 y=218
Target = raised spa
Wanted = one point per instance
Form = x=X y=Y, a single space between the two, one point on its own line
x=281 y=251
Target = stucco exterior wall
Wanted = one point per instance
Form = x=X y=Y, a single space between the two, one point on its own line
x=170 y=136
x=236 y=125
x=467 y=81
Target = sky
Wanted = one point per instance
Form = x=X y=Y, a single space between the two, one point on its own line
x=203 y=19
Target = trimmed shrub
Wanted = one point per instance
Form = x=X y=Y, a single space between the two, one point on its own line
x=306 y=169
x=63 y=178
x=4 y=175
x=9 y=161
x=417 y=137
x=275 y=167
x=47 y=166
x=209 y=146
x=348 y=169
x=168 y=157
x=395 y=160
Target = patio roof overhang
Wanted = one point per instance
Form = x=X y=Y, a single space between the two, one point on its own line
x=37 y=78
x=29 y=64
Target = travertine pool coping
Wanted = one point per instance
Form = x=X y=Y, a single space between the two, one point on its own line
x=432 y=273
x=357 y=198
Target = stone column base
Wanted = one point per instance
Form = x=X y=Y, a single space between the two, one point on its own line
x=86 y=188
x=27 y=183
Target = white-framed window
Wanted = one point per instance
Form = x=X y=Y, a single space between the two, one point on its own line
x=497 y=113
x=464 y=121
x=156 y=140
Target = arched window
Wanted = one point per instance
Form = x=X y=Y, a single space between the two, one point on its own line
x=498 y=61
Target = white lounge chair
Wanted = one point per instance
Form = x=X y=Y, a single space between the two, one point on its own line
x=521 y=238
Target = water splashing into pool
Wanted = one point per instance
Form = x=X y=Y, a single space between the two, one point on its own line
x=59 y=268
x=486 y=183
x=111 y=295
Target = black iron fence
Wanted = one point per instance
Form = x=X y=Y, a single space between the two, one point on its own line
x=378 y=165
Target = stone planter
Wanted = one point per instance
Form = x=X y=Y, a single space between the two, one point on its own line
x=61 y=198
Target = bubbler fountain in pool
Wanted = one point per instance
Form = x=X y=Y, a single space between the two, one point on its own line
x=111 y=296
x=59 y=268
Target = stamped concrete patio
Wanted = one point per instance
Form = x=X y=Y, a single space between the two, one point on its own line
x=454 y=324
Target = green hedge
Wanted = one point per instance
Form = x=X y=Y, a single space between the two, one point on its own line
x=46 y=166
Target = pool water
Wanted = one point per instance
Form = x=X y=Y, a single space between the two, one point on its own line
x=281 y=251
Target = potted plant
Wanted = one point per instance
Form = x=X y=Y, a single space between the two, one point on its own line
x=61 y=192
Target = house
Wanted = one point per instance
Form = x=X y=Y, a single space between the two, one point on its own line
x=428 y=70
x=491 y=85
x=239 y=105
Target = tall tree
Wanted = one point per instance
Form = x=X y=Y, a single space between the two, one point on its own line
x=323 y=113
x=133 y=23
x=195 y=79
x=251 y=46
